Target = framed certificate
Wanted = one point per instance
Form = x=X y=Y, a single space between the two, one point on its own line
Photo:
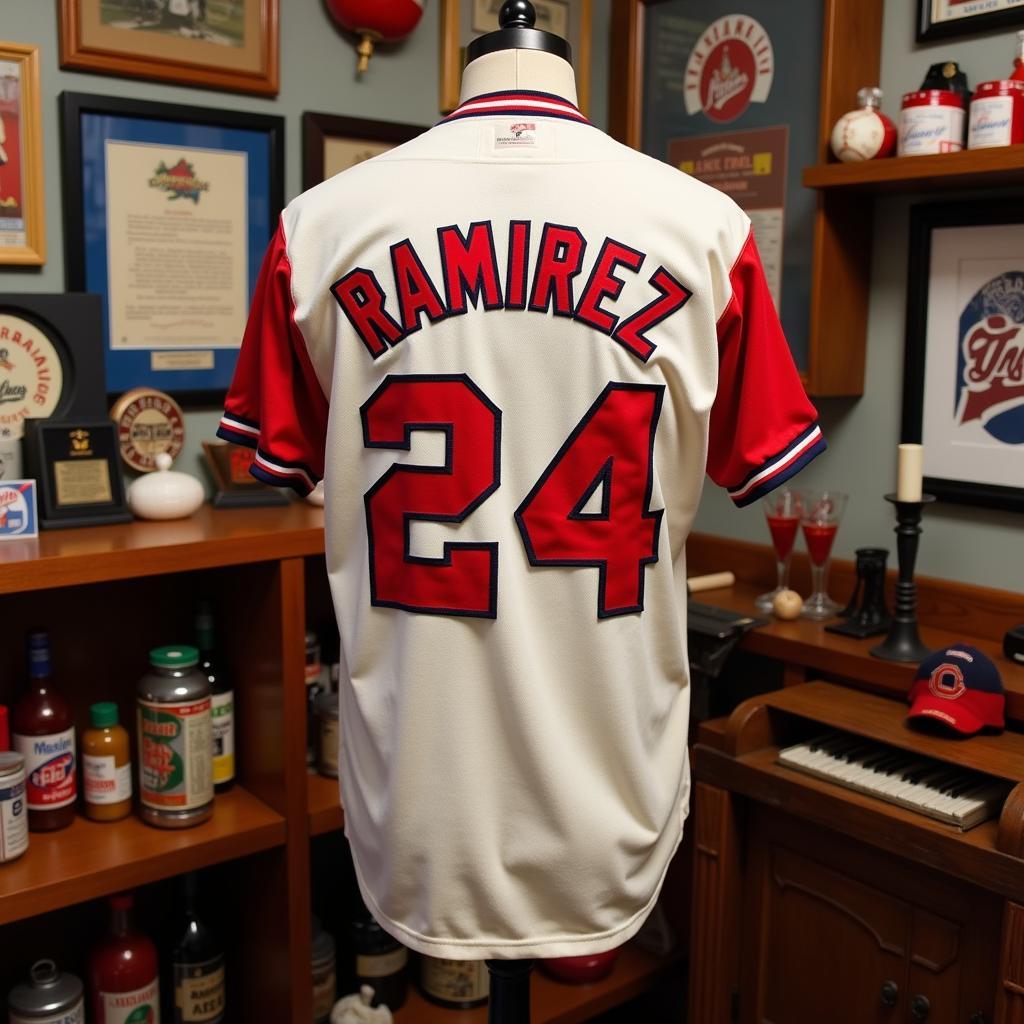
x=332 y=144
x=168 y=210
x=463 y=20
x=940 y=19
x=22 y=232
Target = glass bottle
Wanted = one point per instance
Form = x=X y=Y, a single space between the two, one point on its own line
x=123 y=971
x=222 y=700
x=106 y=765
x=197 y=965
x=1018 y=62
x=43 y=731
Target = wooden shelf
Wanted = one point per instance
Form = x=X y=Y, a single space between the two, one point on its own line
x=325 y=813
x=91 y=859
x=553 y=1002
x=210 y=538
x=977 y=168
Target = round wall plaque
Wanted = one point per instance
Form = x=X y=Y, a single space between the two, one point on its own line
x=31 y=375
x=148 y=423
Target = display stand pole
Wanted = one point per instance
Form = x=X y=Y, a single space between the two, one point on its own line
x=510 y=991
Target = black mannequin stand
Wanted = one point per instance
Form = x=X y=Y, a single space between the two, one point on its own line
x=510 y=991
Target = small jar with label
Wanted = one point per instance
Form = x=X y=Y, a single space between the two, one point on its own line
x=457 y=984
x=381 y=962
x=13 y=810
x=175 y=738
x=50 y=997
x=106 y=765
x=997 y=115
x=325 y=987
x=326 y=705
x=931 y=121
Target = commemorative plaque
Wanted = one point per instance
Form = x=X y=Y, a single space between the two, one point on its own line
x=148 y=423
x=78 y=469
x=236 y=486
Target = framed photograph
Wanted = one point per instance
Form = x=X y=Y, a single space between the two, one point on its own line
x=168 y=211
x=332 y=144
x=963 y=377
x=212 y=44
x=22 y=231
x=463 y=20
x=940 y=19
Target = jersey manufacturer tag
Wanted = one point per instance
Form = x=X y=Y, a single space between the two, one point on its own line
x=523 y=135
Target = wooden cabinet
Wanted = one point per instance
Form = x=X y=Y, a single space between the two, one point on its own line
x=833 y=931
x=108 y=595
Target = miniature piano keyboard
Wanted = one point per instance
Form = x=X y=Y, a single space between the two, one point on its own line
x=938 y=789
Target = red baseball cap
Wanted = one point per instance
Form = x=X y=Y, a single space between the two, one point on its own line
x=960 y=687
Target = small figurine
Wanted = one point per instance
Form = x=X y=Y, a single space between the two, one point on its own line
x=356 y=1009
x=787 y=604
x=165 y=494
x=865 y=133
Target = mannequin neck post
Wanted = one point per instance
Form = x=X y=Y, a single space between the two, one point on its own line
x=510 y=70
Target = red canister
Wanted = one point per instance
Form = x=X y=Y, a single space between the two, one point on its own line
x=931 y=121
x=997 y=114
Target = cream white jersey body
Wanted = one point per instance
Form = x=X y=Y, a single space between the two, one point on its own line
x=512 y=347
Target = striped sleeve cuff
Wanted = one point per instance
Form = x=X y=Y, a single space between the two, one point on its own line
x=780 y=467
x=266 y=467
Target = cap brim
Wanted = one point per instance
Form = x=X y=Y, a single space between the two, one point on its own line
x=939 y=710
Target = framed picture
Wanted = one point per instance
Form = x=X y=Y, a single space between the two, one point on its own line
x=22 y=231
x=963 y=377
x=940 y=19
x=168 y=210
x=733 y=100
x=463 y=20
x=212 y=44
x=331 y=144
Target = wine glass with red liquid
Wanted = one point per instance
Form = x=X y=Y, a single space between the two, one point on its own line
x=782 y=510
x=822 y=511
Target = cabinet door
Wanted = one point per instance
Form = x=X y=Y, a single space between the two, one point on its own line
x=827 y=946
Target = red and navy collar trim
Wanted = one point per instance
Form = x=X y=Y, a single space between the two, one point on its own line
x=518 y=103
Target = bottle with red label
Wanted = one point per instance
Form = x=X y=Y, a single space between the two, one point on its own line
x=43 y=731
x=124 y=972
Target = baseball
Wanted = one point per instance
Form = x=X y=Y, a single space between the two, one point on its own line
x=860 y=135
x=787 y=604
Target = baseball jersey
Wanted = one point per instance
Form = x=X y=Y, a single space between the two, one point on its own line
x=511 y=348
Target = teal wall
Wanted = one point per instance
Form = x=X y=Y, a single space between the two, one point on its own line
x=974 y=545
x=317 y=73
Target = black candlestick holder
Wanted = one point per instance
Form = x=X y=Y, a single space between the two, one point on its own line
x=903 y=642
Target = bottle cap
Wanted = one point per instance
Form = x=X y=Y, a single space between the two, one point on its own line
x=122 y=901
x=179 y=656
x=38 y=654
x=103 y=715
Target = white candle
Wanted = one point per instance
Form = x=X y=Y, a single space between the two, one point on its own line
x=911 y=472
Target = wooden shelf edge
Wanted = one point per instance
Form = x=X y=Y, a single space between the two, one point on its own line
x=556 y=1002
x=1003 y=165
x=91 y=859
x=325 y=813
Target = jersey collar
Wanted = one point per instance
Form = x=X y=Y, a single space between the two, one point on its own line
x=517 y=103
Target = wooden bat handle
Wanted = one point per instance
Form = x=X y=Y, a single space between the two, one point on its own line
x=716 y=580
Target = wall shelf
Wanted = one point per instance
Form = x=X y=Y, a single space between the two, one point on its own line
x=325 y=813
x=979 y=168
x=92 y=859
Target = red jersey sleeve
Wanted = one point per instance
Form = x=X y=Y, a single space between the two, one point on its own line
x=763 y=427
x=275 y=403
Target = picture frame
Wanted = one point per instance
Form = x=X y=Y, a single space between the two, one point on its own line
x=196 y=197
x=213 y=44
x=939 y=19
x=462 y=20
x=332 y=143
x=22 y=205
x=963 y=397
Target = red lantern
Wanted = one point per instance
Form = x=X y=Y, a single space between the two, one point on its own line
x=376 y=21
